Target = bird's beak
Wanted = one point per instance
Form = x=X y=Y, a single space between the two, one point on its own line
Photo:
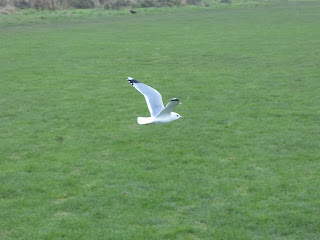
x=182 y=117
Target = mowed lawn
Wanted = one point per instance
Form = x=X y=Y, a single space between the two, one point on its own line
x=242 y=164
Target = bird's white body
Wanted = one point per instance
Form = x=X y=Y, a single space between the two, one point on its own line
x=159 y=113
x=158 y=120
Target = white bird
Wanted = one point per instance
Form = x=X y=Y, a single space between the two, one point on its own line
x=159 y=113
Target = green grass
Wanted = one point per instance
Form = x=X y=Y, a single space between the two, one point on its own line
x=242 y=164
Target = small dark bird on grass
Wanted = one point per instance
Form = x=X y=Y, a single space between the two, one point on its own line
x=133 y=11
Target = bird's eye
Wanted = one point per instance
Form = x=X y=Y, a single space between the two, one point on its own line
x=177 y=115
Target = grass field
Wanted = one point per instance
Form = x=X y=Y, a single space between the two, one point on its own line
x=242 y=164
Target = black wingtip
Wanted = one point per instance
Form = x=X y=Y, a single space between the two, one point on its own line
x=174 y=99
x=132 y=80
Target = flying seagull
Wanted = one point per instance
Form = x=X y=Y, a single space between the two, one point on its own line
x=159 y=113
x=133 y=11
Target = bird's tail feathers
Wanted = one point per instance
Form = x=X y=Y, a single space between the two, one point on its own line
x=145 y=120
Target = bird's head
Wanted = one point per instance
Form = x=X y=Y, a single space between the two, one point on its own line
x=176 y=115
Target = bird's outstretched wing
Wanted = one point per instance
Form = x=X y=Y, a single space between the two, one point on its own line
x=169 y=107
x=152 y=96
